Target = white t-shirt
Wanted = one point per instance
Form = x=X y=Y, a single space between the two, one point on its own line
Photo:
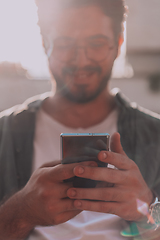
x=86 y=225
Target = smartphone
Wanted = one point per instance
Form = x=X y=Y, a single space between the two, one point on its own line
x=79 y=147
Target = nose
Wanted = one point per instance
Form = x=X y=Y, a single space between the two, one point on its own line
x=80 y=59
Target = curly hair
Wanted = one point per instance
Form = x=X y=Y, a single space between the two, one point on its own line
x=115 y=9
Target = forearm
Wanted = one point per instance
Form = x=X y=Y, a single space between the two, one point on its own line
x=14 y=220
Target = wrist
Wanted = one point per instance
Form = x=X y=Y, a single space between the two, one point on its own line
x=151 y=212
x=14 y=220
x=154 y=212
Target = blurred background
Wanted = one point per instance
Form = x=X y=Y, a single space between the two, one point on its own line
x=23 y=64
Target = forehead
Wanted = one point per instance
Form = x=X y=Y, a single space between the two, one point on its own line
x=81 y=22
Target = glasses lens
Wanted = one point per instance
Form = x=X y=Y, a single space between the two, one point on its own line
x=64 y=49
x=97 y=49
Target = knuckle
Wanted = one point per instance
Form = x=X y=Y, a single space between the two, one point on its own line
x=70 y=205
x=125 y=176
x=39 y=178
x=123 y=163
x=64 y=173
x=49 y=207
x=134 y=180
x=44 y=194
x=125 y=160
x=118 y=177
x=52 y=208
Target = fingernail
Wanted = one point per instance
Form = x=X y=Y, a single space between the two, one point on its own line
x=80 y=170
x=73 y=193
x=104 y=155
x=78 y=204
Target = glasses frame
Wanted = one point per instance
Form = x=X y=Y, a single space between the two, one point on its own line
x=75 y=47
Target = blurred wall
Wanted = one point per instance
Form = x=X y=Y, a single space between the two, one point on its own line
x=143 y=36
x=16 y=90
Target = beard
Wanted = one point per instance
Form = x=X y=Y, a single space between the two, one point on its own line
x=82 y=96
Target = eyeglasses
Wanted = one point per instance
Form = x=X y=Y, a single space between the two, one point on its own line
x=95 y=48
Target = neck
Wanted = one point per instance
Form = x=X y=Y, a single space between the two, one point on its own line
x=76 y=115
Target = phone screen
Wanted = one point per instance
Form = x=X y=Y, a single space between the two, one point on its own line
x=81 y=147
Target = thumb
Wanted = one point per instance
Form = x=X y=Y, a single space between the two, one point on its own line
x=51 y=164
x=115 y=144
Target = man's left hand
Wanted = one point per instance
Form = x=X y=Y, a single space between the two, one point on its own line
x=128 y=185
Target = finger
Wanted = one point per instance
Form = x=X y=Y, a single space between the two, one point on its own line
x=64 y=171
x=101 y=174
x=59 y=190
x=90 y=151
x=69 y=160
x=101 y=184
x=64 y=205
x=118 y=160
x=99 y=206
x=124 y=211
x=115 y=144
x=60 y=172
x=101 y=194
x=51 y=164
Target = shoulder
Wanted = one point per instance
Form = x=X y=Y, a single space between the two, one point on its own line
x=134 y=111
x=147 y=124
x=147 y=115
x=137 y=121
x=31 y=105
x=143 y=117
x=21 y=116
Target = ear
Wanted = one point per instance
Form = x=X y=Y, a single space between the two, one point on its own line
x=44 y=45
x=47 y=46
x=120 y=42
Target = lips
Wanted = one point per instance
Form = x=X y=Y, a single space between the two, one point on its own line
x=83 y=77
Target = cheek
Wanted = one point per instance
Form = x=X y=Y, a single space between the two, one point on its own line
x=55 y=66
x=107 y=65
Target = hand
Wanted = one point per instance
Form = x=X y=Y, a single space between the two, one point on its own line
x=43 y=201
x=45 y=195
x=128 y=185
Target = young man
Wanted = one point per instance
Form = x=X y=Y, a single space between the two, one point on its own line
x=82 y=40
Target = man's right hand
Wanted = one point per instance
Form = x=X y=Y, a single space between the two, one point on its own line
x=43 y=201
x=45 y=195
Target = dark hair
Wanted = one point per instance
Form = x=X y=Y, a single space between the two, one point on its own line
x=115 y=9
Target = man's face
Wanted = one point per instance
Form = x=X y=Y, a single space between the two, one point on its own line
x=83 y=53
